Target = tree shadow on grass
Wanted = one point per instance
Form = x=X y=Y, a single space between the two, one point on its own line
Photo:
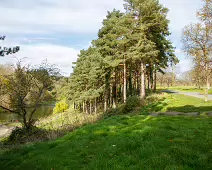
x=154 y=106
x=190 y=108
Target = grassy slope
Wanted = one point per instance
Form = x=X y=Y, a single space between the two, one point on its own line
x=128 y=142
x=123 y=142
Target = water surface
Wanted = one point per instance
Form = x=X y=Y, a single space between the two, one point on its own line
x=42 y=111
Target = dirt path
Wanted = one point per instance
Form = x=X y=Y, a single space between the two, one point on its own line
x=193 y=94
x=175 y=114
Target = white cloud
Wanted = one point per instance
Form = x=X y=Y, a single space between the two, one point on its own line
x=185 y=65
x=55 y=54
x=47 y=16
x=68 y=17
x=181 y=13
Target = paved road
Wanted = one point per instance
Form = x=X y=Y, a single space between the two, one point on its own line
x=193 y=94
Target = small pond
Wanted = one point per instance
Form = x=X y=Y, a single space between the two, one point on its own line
x=42 y=111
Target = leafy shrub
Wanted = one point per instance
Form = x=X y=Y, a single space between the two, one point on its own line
x=115 y=111
x=132 y=103
x=60 y=107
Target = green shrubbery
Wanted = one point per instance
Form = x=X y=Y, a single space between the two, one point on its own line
x=132 y=103
x=61 y=107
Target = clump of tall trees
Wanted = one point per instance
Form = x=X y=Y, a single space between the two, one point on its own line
x=197 y=40
x=131 y=47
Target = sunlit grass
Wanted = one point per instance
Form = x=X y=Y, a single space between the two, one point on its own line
x=123 y=142
x=178 y=103
x=187 y=89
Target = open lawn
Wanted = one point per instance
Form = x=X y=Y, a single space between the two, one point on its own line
x=187 y=89
x=123 y=142
x=178 y=103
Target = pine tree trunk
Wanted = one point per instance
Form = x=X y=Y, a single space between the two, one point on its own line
x=138 y=81
x=155 y=80
x=114 y=92
x=111 y=95
x=95 y=106
x=90 y=107
x=130 y=81
x=148 y=79
x=86 y=107
x=125 y=81
x=143 y=88
x=151 y=78
x=105 y=104
x=83 y=107
x=135 y=87
x=107 y=89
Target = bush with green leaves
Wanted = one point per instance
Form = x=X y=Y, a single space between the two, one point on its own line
x=132 y=103
x=60 y=107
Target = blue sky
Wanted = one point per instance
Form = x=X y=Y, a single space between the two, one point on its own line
x=57 y=30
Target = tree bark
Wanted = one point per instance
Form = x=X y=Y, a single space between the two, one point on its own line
x=143 y=86
x=83 y=106
x=155 y=80
x=95 y=110
x=148 y=81
x=107 y=89
x=125 y=81
x=111 y=95
x=86 y=107
x=90 y=107
x=151 y=78
x=130 y=80
x=114 y=92
x=207 y=84
x=139 y=81
x=105 y=103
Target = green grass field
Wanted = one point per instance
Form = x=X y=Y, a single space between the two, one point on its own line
x=178 y=103
x=188 y=89
x=128 y=141
x=123 y=142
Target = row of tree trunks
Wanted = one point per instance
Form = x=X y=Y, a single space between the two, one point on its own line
x=114 y=88
x=152 y=78
x=88 y=107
